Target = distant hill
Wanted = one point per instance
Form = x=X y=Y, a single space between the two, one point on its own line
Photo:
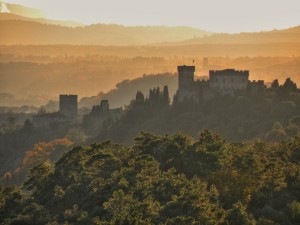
x=23 y=25
x=21 y=30
x=22 y=10
x=290 y=35
x=10 y=16
x=29 y=32
x=125 y=91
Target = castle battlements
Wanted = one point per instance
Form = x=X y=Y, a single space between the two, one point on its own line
x=185 y=69
x=229 y=72
x=220 y=82
x=68 y=105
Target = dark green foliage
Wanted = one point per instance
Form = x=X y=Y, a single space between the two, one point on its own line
x=289 y=85
x=15 y=143
x=294 y=211
x=163 y=180
x=238 y=215
x=165 y=95
x=244 y=116
x=139 y=98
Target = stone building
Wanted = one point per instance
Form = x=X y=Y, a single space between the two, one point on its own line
x=229 y=80
x=67 y=113
x=257 y=86
x=222 y=82
x=101 y=117
x=68 y=105
x=45 y=120
x=103 y=111
x=186 y=83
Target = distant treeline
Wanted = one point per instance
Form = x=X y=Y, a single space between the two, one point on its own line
x=269 y=114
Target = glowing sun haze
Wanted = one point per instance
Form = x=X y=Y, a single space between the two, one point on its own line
x=213 y=15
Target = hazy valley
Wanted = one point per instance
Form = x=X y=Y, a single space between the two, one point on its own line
x=113 y=124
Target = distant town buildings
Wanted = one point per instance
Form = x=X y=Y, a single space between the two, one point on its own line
x=220 y=82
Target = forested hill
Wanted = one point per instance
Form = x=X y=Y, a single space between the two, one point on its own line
x=162 y=180
x=126 y=90
x=271 y=114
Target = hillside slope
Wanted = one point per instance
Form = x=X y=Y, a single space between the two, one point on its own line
x=10 y=16
x=28 y=32
x=22 y=10
x=290 y=35
x=126 y=90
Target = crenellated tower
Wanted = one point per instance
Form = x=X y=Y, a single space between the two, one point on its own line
x=185 y=82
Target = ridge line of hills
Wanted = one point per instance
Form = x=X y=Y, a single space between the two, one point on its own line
x=64 y=23
x=18 y=30
x=23 y=30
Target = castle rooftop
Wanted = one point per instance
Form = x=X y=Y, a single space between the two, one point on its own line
x=185 y=68
x=228 y=72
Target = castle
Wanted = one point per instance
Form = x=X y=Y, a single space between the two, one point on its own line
x=101 y=117
x=67 y=112
x=68 y=105
x=103 y=111
x=220 y=82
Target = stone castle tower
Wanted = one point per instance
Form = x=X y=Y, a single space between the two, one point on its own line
x=222 y=82
x=186 y=82
x=68 y=105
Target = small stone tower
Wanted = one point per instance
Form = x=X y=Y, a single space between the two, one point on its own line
x=68 y=105
x=185 y=82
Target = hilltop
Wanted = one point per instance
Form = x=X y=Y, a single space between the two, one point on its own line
x=45 y=32
x=289 y=35
x=20 y=10
x=10 y=16
x=42 y=31
x=37 y=33
x=126 y=90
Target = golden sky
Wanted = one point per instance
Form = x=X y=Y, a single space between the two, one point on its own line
x=212 y=15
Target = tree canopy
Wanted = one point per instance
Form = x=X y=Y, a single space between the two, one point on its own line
x=170 y=179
